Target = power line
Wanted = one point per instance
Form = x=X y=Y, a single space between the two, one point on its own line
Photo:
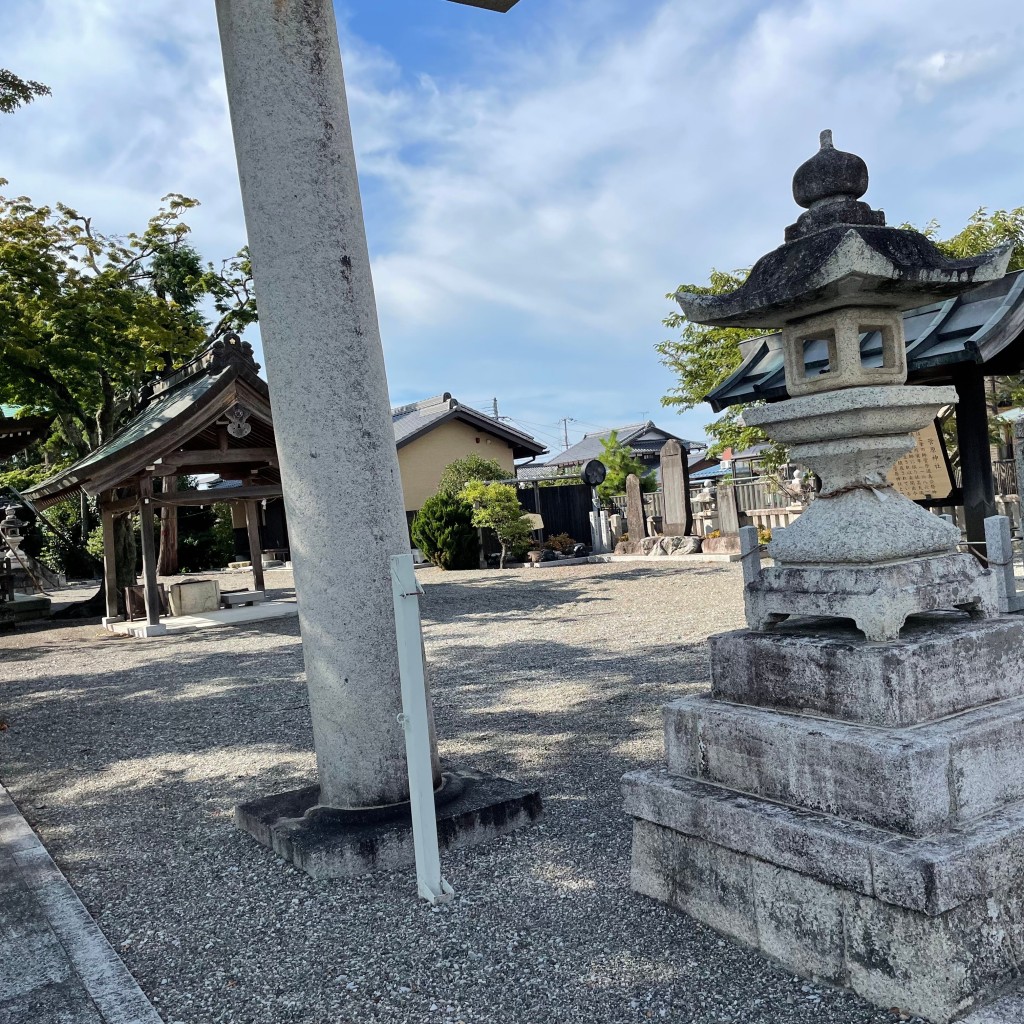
x=533 y=431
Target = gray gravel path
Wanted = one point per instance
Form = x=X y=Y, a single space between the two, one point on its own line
x=128 y=757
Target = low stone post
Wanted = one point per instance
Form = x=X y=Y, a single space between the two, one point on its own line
x=999 y=555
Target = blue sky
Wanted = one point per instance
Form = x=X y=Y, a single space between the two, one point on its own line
x=535 y=182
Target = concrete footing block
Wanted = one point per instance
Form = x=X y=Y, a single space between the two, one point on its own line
x=484 y=807
x=149 y=629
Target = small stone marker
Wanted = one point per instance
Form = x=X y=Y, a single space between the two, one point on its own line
x=615 y=524
x=673 y=487
x=728 y=510
x=634 y=509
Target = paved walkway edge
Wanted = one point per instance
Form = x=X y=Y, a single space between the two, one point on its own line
x=109 y=984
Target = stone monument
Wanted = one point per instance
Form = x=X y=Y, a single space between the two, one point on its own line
x=678 y=518
x=849 y=798
x=634 y=509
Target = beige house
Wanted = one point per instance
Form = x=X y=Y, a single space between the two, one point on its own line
x=435 y=432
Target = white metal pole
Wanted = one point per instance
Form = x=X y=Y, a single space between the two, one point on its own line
x=415 y=719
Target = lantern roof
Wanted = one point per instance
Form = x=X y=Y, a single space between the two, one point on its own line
x=841 y=253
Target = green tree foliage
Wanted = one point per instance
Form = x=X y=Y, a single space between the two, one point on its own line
x=206 y=539
x=496 y=506
x=619 y=463
x=86 y=319
x=473 y=467
x=16 y=92
x=984 y=231
x=443 y=530
x=702 y=357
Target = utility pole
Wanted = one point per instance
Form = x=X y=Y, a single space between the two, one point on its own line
x=565 y=421
x=494 y=406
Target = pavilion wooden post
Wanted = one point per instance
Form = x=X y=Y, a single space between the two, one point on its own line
x=975 y=456
x=153 y=624
x=109 y=561
x=252 y=524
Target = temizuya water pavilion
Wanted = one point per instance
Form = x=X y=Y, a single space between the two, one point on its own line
x=211 y=416
x=849 y=797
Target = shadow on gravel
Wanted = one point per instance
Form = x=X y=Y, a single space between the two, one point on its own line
x=534 y=590
x=131 y=774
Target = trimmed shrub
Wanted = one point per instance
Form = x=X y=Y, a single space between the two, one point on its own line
x=560 y=542
x=443 y=530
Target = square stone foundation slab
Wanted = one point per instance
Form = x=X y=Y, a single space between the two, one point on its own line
x=941 y=664
x=935 y=967
x=934 y=926
x=487 y=806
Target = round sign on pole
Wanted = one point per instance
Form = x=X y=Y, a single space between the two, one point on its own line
x=594 y=472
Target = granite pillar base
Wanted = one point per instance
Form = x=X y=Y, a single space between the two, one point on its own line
x=854 y=810
x=328 y=846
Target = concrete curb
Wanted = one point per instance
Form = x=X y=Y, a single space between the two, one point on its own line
x=55 y=958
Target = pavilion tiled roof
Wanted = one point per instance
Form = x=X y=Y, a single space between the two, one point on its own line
x=644 y=440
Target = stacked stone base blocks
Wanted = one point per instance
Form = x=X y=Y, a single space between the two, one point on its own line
x=853 y=809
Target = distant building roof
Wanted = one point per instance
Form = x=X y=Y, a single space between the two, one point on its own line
x=983 y=326
x=645 y=440
x=712 y=472
x=413 y=420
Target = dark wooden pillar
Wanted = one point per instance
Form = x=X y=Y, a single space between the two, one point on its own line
x=975 y=456
x=109 y=560
x=149 y=550
x=252 y=523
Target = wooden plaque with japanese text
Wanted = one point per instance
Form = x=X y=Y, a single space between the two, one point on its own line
x=924 y=472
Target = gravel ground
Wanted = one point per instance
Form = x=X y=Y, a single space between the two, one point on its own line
x=127 y=757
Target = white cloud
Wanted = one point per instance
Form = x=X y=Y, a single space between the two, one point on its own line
x=528 y=212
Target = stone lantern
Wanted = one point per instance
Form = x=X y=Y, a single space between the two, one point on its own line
x=849 y=797
x=11 y=527
x=862 y=550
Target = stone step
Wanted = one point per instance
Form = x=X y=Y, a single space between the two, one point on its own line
x=929 y=875
x=237 y=598
x=918 y=780
x=942 y=663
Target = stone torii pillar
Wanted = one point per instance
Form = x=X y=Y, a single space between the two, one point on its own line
x=332 y=421
x=332 y=415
